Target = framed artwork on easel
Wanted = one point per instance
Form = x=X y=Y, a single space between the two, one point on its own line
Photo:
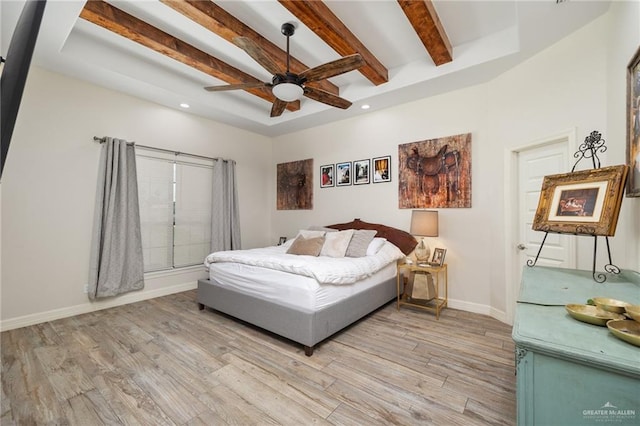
x=584 y=203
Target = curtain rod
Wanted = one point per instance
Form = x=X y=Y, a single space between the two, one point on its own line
x=102 y=140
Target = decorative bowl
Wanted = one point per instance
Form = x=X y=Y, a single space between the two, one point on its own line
x=627 y=330
x=633 y=312
x=611 y=305
x=592 y=314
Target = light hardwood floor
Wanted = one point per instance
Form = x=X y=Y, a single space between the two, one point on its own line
x=163 y=362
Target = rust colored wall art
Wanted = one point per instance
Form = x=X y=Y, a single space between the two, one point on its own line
x=295 y=185
x=435 y=173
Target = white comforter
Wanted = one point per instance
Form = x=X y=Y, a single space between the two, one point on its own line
x=326 y=270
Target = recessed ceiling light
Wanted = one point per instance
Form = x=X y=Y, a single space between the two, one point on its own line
x=183 y=105
x=365 y=106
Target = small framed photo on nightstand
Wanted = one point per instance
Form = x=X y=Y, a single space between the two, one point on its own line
x=438 y=257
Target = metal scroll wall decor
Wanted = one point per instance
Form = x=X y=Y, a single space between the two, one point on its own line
x=585 y=202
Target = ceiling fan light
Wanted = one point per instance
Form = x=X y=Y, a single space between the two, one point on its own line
x=287 y=92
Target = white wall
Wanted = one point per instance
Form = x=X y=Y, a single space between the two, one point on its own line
x=561 y=88
x=571 y=85
x=50 y=178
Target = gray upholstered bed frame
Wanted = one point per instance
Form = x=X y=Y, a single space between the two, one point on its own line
x=300 y=325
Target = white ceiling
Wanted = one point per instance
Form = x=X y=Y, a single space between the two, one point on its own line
x=487 y=37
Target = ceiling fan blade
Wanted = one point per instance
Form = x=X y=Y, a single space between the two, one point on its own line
x=257 y=54
x=326 y=98
x=333 y=68
x=238 y=86
x=278 y=107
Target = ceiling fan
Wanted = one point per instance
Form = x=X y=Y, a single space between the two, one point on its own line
x=288 y=86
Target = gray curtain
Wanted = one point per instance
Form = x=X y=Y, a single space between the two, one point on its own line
x=116 y=256
x=225 y=217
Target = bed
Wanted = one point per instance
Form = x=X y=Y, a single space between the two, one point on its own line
x=301 y=301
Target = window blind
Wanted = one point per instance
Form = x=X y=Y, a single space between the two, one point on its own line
x=175 y=193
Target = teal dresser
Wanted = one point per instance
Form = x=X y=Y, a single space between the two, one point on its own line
x=570 y=372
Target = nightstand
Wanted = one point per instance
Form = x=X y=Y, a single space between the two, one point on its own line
x=440 y=281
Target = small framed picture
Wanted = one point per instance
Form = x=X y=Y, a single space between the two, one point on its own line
x=382 y=169
x=438 y=257
x=360 y=172
x=343 y=174
x=327 y=176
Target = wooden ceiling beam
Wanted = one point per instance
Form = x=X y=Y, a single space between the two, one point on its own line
x=219 y=21
x=119 y=22
x=322 y=21
x=425 y=21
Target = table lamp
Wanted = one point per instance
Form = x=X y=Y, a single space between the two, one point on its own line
x=424 y=223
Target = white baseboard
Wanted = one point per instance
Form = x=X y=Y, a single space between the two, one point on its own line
x=477 y=308
x=40 y=317
x=500 y=316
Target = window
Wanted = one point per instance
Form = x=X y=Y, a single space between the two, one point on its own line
x=174 y=192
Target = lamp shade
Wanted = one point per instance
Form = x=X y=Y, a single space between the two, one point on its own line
x=424 y=223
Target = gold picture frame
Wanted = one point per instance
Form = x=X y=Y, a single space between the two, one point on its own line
x=584 y=203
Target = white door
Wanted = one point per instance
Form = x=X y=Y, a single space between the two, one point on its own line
x=531 y=164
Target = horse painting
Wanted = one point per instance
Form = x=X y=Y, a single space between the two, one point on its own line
x=295 y=185
x=435 y=173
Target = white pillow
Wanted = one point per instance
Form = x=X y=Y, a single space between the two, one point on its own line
x=336 y=243
x=375 y=245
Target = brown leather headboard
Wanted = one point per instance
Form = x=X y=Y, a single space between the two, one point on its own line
x=402 y=239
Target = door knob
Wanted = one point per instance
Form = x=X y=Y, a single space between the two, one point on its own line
x=521 y=247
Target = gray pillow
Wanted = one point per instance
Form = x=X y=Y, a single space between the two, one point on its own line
x=306 y=246
x=359 y=243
